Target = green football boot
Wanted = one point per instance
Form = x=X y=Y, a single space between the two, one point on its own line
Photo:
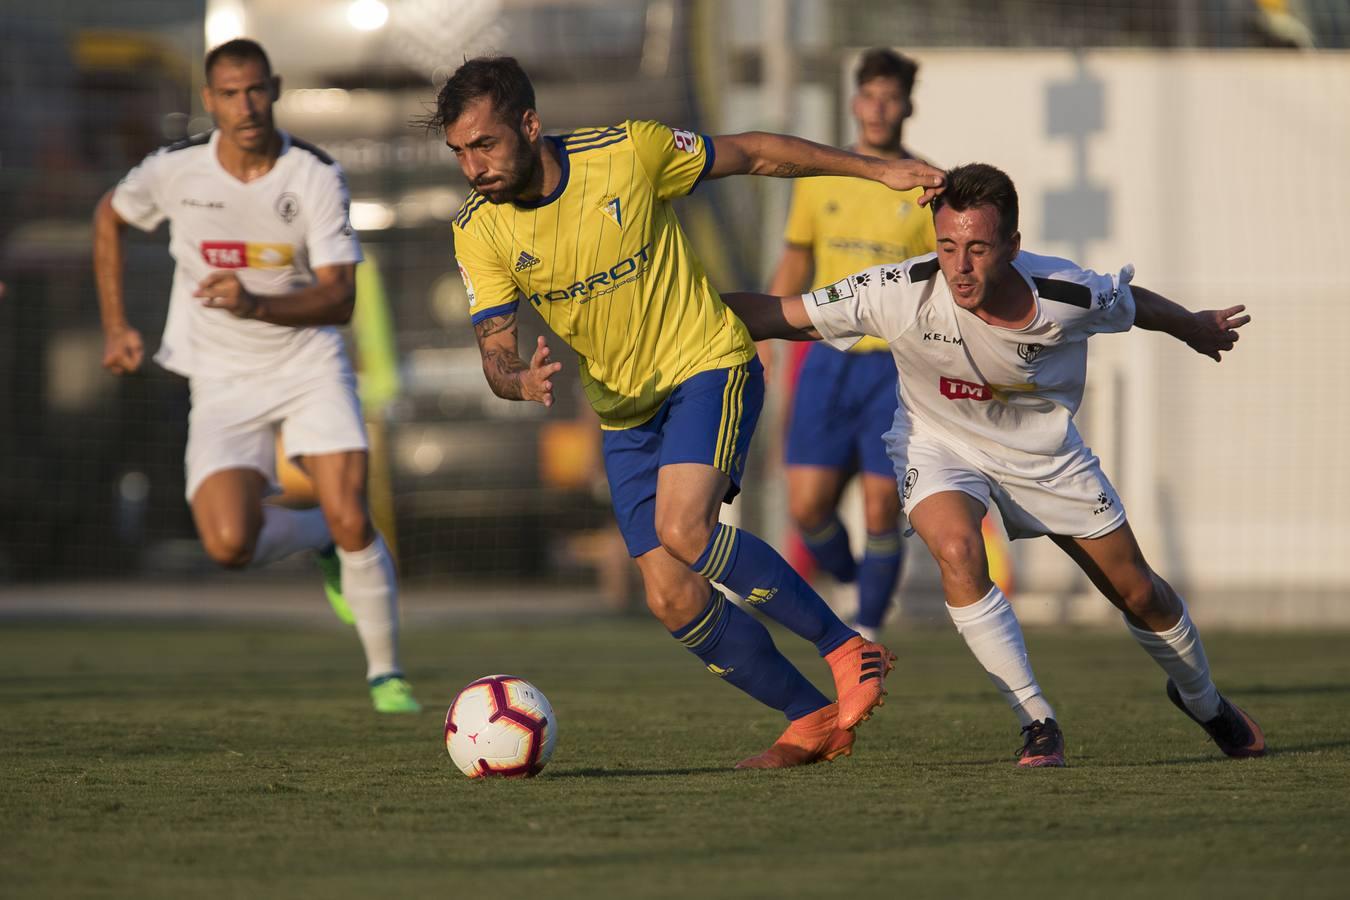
x=331 y=567
x=392 y=694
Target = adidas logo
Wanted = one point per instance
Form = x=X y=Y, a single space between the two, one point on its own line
x=526 y=261
x=760 y=595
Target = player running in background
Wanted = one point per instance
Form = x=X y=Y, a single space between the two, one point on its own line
x=581 y=227
x=845 y=400
x=991 y=344
x=265 y=262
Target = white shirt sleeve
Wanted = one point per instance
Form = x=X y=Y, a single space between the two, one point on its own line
x=137 y=196
x=329 y=234
x=1112 y=303
x=879 y=301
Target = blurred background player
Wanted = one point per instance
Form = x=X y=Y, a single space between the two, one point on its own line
x=992 y=345
x=265 y=261
x=845 y=400
x=581 y=226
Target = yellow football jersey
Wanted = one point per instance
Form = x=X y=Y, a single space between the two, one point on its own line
x=851 y=224
x=603 y=260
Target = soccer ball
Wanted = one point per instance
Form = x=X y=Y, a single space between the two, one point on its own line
x=500 y=726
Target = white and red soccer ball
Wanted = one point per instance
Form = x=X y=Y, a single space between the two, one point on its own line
x=500 y=726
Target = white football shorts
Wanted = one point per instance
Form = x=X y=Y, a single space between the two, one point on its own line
x=1079 y=501
x=234 y=421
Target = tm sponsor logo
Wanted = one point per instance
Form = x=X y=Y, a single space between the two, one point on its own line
x=956 y=389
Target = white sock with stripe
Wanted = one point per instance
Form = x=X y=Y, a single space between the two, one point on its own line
x=371 y=588
x=993 y=634
x=1181 y=655
x=286 y=531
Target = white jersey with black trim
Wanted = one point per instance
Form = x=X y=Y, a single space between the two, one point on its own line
x=273 y=232
x=1004 y=398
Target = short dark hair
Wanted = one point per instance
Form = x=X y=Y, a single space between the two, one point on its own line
x=882 y=62
x=499 y=78
x=980 y=184
x=239 y=50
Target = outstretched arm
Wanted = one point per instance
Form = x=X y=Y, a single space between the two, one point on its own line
x=768 y=316
x=123 y=350
x=1209 y=332
x=509 y=376
x=784 y=156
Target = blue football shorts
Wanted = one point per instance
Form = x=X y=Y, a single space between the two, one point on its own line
x=707 y=419
x=843 y=405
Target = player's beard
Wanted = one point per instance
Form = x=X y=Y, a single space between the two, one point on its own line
x=520 y=175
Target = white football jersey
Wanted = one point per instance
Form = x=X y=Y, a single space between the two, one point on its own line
x=1004 y=398
x=272 y=232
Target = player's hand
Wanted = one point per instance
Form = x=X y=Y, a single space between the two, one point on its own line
x=907 y=174
x=223 y=290
x=1215 y=330
x=123 y=350
x=536 y=382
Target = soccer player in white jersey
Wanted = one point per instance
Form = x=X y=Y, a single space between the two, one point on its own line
x=992 y=344
x=265 y=261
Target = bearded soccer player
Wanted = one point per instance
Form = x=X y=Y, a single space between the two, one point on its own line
x=991 y=344
x=845 y=399
x=581 y=227
x=265 y=262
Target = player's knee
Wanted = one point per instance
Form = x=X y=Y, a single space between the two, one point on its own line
x=882 y=516
x=1145 y=597
x=350 y=526
x=229 y=547
x=675 y=607
x=961 y=553
x=684 y=539
x=810 y=512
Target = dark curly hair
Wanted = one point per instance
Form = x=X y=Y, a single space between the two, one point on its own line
x=499 y=78
x=980 y=184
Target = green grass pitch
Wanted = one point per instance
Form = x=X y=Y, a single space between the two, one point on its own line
x=210 y=761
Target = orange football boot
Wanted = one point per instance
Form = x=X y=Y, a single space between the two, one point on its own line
x=860 y=668
x=813 y=738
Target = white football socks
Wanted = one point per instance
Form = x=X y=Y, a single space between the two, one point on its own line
x=371 y=588
x=286 y=531
x=994 y=635
x=1181 y=655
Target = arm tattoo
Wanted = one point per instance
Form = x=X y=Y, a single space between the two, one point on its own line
x=792 y=170
x=501 y=365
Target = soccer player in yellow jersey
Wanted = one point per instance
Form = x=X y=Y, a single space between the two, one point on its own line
x=580 y=228
x=845 y=400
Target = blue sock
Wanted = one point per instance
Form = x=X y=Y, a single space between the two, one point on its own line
x=754 y=570
x=878 y=575
x=829 y=547
x=738 y=649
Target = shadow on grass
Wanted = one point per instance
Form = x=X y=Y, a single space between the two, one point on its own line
x=1288 y=690
x=596 y=772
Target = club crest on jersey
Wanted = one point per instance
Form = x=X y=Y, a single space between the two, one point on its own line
x=526 y=260
x=288 y=207
x=842 y=290
x=611 y=207
x=1029 y=352
x=911 y=478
